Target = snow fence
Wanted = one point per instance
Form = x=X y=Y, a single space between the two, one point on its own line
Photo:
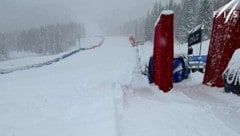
x=6 y=71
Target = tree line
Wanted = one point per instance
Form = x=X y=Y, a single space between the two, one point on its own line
x=45 y=40
x=187 y=15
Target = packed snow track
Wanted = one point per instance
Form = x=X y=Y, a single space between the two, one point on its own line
x=101 y=92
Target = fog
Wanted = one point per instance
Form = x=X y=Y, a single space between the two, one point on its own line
x=22 y=14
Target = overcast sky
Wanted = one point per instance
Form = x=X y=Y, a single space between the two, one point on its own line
x=19 y=14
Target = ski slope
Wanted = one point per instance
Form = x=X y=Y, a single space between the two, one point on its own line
x=20 y=59
x=83 y=96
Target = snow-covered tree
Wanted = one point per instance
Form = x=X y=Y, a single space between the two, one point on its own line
x=188 y=14
x=205 y=16
x=170 y=5
x=187 y=19
x=148 y=28
x=50 y=39
x=219 y=3
x=155 y=14
x=3 y=51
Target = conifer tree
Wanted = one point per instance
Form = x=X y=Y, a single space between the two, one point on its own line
x=147 y=27
x=205 y=16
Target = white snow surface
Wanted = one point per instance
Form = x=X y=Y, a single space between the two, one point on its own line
x=234 y=62
x=232 y=72
x=82 y=96
x=19 y=59
x=167 y=12
x=164 y=12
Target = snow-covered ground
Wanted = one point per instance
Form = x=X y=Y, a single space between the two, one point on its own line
x=82 y=95
x=19 y=59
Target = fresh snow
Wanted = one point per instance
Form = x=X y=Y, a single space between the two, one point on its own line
x=234 y=62
x=83 y=96
x=200 y=26
x=167 y=12
x=19 y=59
x=232 y=71
x=164 y=12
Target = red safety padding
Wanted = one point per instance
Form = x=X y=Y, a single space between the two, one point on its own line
x=225 y=40
x=163 y=52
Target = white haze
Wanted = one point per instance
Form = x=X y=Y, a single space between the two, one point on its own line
x=21 y=14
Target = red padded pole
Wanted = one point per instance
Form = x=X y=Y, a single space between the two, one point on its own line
x=163 y=52
x=225 y=39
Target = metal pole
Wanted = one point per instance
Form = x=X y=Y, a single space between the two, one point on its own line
x=200 y=50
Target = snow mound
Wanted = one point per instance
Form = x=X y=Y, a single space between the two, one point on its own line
x=167 y=12
x=234 y=62
x=233 y=69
